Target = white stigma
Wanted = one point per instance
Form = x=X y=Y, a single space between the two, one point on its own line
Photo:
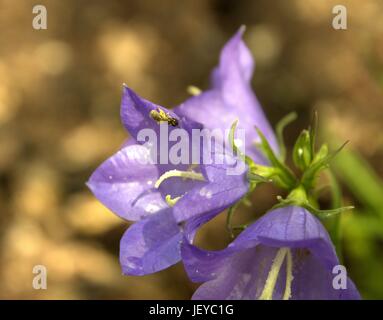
x=268 y=290
x=181 y=174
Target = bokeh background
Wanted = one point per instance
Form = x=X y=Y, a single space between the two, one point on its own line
x=60 y=92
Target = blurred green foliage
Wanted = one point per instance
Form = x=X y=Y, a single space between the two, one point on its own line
x=362 y=229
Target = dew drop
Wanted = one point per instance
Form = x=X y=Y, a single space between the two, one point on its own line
x=238 y=142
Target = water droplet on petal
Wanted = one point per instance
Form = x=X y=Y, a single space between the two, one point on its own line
x=238 y=142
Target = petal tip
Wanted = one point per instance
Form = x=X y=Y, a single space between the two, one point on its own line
x=242 y=29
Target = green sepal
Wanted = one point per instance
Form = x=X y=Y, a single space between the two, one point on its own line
x=234 y=147
x=313 y=131
x=283 y=176
x=229 y=217
x=323 y=214
x=298 y=197
x=229 y=227
x=321 y=154
x=302 y=152
x=321 y=161
x=256 y=178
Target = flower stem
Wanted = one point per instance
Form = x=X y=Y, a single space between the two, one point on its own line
x=334 y=231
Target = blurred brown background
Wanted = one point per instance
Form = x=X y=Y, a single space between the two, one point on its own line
x=60 y=92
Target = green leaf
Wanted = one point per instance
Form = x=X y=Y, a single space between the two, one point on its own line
x=361 y=179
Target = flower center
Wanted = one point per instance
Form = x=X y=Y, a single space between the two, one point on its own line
x=268 y=290
x=178 y=173
x=181 y=174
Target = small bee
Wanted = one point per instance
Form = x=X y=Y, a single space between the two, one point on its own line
x=160 y=115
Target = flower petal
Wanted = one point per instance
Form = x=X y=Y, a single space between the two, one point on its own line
x=242 y=57
x=124 y=183
x=235 y=72
x=150 y=245
x=232 y=98
x=153 y=244
x=292 y=227
x=213 y=197
x=241 y=278
x=202 y=265
x=313 y=281
x=135 y=115
x=220 y=191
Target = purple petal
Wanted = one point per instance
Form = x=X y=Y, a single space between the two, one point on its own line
x=240 y=278
x=202 y=265
x=128 y=142
x=213 y=197
x=313 y=281
x=292 y=227
x=135 y=115
x=243 y=59
x=220 y=192
x=135 y=112
x=150 y=245
x=235 y=70
x=124 y=183
x=153 y=244
x=232 y=98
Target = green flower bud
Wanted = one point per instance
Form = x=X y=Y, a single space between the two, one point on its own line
x=302 y=153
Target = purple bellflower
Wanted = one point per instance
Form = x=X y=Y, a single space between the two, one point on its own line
x=160 y=197
x=286 y=254
x=169 y=202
